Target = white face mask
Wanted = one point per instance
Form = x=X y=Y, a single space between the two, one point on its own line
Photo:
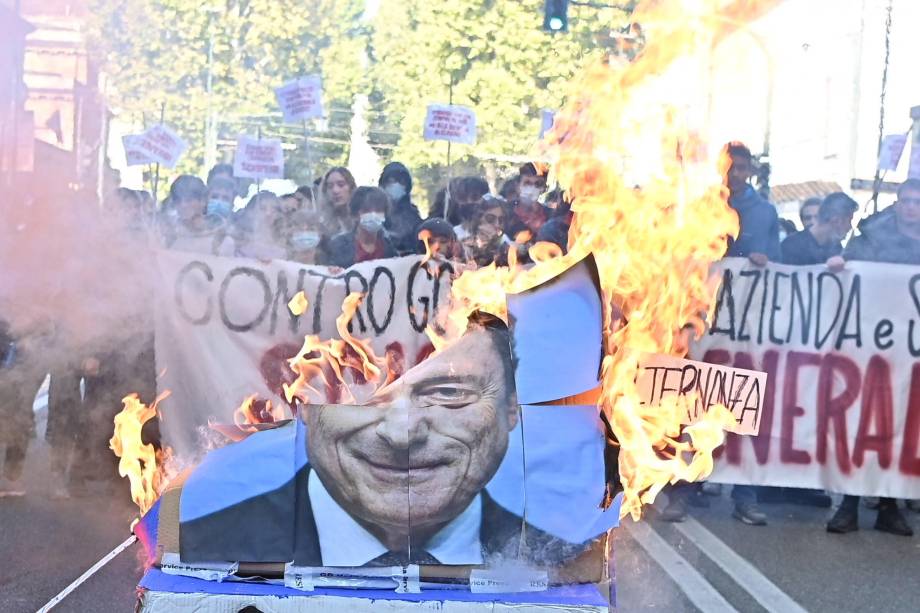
x=372 y=222
x=395 y=191
x=305 y=240
x=530 y=193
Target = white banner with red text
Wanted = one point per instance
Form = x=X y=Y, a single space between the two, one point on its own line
x=842 y=353
x=224 y=330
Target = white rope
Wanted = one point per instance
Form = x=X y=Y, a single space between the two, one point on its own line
x=89 y=573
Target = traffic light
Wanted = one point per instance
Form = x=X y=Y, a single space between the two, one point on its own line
x=556 y=17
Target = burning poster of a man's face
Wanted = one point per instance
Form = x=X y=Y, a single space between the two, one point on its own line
x=437 y=468
x=410 y=467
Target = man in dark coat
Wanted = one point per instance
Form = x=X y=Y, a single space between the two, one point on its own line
x=403 y=218
x=891 y=236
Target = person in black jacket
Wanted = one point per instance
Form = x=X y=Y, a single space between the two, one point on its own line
x=404 y=217
x=891 y=236
x=821 y=243
x=370 y=239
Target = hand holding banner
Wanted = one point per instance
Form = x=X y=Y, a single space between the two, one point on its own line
x=258 y=158
x=450 y=122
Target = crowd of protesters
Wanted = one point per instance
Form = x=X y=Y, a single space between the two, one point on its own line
x=335 y=222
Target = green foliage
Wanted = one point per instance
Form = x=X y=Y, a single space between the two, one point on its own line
x=156 y=52
x=500 y=60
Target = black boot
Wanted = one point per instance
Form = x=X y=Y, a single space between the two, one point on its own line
x=891 y=521
x=846 y=519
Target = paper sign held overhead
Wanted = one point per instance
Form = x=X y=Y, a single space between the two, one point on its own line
x=890 y=153
x=258 y=159
x=547 y=117
x=301 y=98
x=914 y=170
x=450 y=122
x=740 y=391
x=158 y=144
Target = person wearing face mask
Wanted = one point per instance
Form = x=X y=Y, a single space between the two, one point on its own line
x=369 y=240
x=821 y=243
x=403 y=218
x=460 y=196
x=304 y=240
x=528 y=214
x=221 y=192
x=487 y=242
x=188 y=226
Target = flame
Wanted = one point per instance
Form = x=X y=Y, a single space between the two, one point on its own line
x=298 y=304
x=341 y=366
x=254 y=411
x=649 y=203
x=148 y=469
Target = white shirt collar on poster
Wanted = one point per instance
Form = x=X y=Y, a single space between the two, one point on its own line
x=345 y=542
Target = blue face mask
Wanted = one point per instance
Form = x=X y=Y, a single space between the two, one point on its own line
x=303 y=241
x=219 y=208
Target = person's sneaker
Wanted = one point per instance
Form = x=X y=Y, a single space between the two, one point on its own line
x=871 y=502
x=676 y=511
x=844 y=520
x=891 y=521
x=914 y=505
x=748 y=513
x=711 y=489
x=9 y=488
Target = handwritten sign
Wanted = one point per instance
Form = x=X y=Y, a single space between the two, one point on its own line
x=258 y=159
x=158 y=144
x=740 y=391
x=450 y=122
x=301 y=98
x=890 y=153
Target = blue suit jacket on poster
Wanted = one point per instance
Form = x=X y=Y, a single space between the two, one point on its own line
x=248 y=502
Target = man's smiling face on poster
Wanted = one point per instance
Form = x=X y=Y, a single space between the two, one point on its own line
x=440 y=431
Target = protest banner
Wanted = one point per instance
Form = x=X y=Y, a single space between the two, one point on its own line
x=890 y=154
x=842 y=404
x=301 y=98
x=159 y=144
x=224 y=330
x=739 y=390
x=258 y=158
x=913 y=172
x=450 y=122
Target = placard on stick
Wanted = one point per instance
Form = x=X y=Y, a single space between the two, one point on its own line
x=159 y=144
x=301 y=98
x=890 y=153
x=450 y=122
x=740 y=391
x=258 y=158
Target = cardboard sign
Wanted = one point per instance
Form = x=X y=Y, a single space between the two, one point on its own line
x=890 y=153
x=258 y=159
x=134 y=154
x=158 y=144
x=547 y=117
x=914 y=170
x=450 y=122
x=301 y=98
x=739 y=390
x=842 y=410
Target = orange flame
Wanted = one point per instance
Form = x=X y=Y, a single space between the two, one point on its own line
x=147 y=468
x=648 y=202
x=254 y=411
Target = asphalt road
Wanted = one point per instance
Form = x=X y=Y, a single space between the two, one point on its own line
x=709 y=563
